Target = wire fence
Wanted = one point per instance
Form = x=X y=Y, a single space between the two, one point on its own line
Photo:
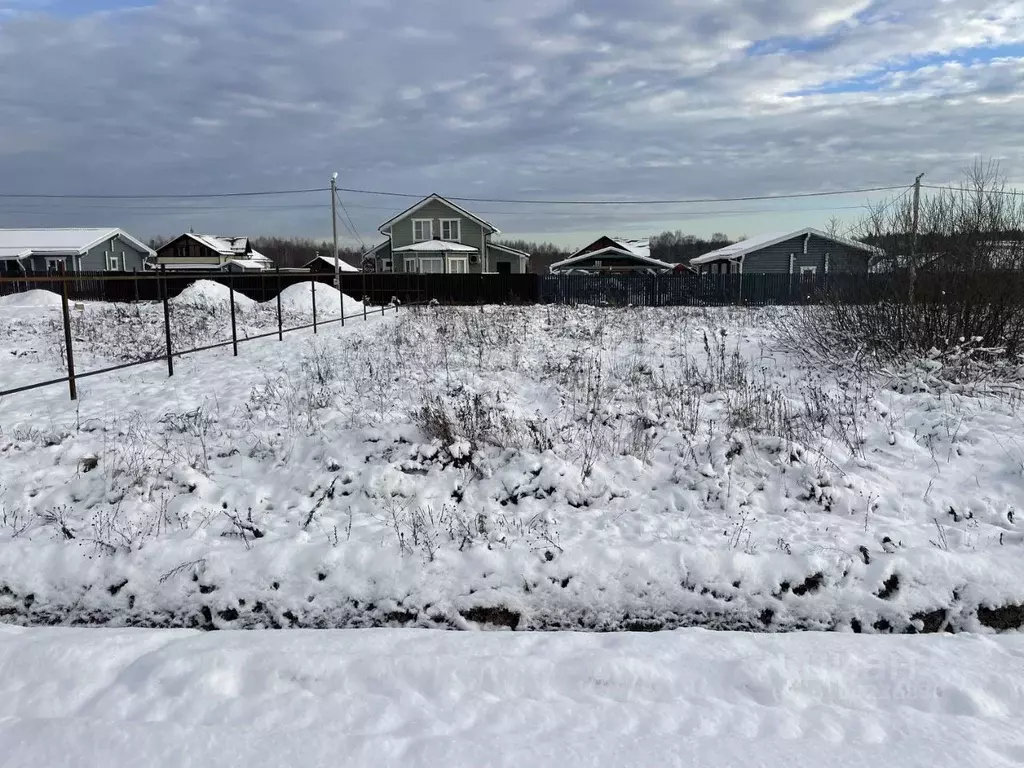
x=380 y=292
x=67 y=286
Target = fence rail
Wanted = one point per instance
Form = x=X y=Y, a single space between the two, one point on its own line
x=72 y=288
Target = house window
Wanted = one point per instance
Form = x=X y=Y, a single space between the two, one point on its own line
x=115 y=263
x=808 y=271
x=432 y=266
x=54 y=265
x=458 y=265
x=385 y=265
x=451 y=230
x=597 y=263
x=422 y=229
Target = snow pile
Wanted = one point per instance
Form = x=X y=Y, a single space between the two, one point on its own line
x=298 y=299
x=540 y=467
x=35 y=298
x=167 y=699
x=211 y=294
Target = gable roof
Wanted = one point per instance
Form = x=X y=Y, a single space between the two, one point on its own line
x=507 y=249
x=372 y=250
x=343 y=265
x=752 y=244
x=385 y=228
x=641 y=247
x=231 y=246
x=21 y=243
x=630 y=249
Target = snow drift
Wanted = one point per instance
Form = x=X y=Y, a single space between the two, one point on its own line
x=397 y=698
x=211 y=294
x=35 y=298
x=298 y=298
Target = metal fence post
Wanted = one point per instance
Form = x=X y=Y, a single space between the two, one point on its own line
x=312 y=286
x=72 y=386
x=280 y=331
x=135 y=281
x=167 y=321
x=234 y=326
x=341 y=301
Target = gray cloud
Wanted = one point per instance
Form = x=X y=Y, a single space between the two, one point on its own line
x=509 y=98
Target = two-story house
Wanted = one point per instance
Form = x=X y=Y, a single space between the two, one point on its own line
x=436 y=236
x=211 y=252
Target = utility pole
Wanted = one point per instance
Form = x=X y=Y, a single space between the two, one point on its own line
x=334 y=230
x=915 y=219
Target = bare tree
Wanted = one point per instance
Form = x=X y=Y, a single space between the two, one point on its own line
x=959 y=291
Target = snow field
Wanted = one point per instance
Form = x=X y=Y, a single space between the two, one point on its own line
x=538 y=467
x=418 y=698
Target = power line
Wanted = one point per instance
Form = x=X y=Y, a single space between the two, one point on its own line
x=190 y=196
x=951 y=188
x=351 y=229
x=690 y=201
x=198 y=209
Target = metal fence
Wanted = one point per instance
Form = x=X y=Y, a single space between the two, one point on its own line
x=158 y=287
x=674 y=289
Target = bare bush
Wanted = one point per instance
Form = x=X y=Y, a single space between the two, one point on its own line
x=955 y=292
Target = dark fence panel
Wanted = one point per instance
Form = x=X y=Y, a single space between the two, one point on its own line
x=674 y=289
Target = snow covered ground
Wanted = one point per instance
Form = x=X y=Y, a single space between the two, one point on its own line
x=183 y=699
x=543 y=467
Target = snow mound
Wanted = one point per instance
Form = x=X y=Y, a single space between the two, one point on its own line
x=207 y=293
x=298 y=298
x=33 y=298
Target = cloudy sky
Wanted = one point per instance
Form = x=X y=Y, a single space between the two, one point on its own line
x=509 y=99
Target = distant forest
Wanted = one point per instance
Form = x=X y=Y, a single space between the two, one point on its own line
x=291 y=252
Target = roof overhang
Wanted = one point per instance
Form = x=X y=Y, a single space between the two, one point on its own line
x=737 y=250
x=506 y=249
x=615 y=252
x=436 y=246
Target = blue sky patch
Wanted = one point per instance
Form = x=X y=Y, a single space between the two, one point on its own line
x=877 y=78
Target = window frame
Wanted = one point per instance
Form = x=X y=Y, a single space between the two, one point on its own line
x=430 y=223
x=462 y=261
x=808 y=270
x=437 y=261
x=458 y=227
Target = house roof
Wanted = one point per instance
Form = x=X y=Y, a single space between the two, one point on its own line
x=256 y=264
x=514 y=251
x=436 y=246
x=343 y=265
x=632 y=249
x=385 y=228
x=752 y=244
x=369 y=252
x=21 y=243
